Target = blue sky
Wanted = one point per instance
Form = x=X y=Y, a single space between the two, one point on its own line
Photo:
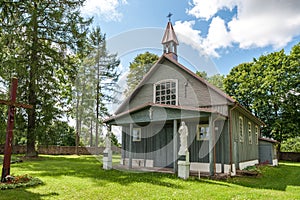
x=214 y=35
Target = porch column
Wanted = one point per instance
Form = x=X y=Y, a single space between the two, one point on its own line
x=130 y=145
x=175 y=141
x=211 y=146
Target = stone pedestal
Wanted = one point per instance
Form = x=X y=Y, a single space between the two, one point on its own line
x=107 y=159
x=183 y=169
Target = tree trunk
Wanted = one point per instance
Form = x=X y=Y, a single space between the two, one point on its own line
x=32 y=98
x=91 y=133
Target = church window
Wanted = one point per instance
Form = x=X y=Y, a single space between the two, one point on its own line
x=137 y=134
x=256 y=134
x=241 y=129
x=202 y=132
x=165 y=92
x=249 y=133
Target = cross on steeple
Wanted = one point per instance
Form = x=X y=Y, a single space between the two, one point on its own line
x=169 y=16
x=169 y=40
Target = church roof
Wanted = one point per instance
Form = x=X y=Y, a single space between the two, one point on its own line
x=122 y=108
x=150 y=104
x=169 y=35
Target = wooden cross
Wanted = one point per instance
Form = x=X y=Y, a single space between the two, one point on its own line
x=10 y=125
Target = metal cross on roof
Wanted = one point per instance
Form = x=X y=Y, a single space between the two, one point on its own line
x=169 y=16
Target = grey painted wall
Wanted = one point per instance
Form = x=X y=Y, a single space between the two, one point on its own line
x=191 y=91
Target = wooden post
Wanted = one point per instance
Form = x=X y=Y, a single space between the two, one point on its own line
x=175 y=151
x=9 y=131
x=10 y=126
x=130 y=145
x=211 y=146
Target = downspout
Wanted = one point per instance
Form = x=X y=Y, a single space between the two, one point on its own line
x=230 y=135
x=214 y=141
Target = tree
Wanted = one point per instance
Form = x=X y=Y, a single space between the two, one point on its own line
x=40 y=39
x=114 y=140
x=97 y=86
x=59 y=133
x=291 y=145
x=138 y=68
x=216 y=79
x=269 y=87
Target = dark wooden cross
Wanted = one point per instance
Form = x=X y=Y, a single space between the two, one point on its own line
x=10 y=125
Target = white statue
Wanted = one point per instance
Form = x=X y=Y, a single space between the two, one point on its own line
x=183 y=132
x=107 y=143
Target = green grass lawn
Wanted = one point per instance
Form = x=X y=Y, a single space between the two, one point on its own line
x=81 y=177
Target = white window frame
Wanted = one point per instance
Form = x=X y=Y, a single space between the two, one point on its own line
x=164 y=81
x=250 y=132
x=136 y=134
x=256 y=134
x=241 y=129
x=202 y=132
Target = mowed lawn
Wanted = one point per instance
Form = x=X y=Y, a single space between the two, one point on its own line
x=81 y=177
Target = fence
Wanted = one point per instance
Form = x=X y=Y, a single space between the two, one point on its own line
x=290 y=156
x=60 y=150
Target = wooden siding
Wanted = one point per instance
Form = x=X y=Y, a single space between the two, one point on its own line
x=191 y=92
x=243 y=151
x=157 y=143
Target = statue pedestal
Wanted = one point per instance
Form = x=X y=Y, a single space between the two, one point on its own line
x=183 y=169
x=107 y=159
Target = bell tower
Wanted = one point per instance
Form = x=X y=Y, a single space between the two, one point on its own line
x=169 y=40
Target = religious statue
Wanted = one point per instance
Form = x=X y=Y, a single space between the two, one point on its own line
x=107 y=143
x=183 y=132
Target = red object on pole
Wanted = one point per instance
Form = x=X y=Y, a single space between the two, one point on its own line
x=9 y=130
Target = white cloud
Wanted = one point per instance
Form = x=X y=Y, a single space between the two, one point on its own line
x=217 y=37
x=256 y=24
x=264 y=23
x=208 y=8
x=104 y=9
x=187 y=35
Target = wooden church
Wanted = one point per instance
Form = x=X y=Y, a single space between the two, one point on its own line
x=222 y=135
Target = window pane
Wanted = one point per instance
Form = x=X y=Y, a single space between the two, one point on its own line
x=166 y=93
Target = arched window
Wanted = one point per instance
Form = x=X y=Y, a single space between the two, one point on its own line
x=166 y=92
x=249 y=133
x=241 y=129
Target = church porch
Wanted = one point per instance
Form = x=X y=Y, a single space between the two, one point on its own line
x=150 y=139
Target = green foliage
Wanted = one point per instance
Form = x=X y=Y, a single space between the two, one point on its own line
x=216 y=79
x=138 y=68
x=114 y=140
x=269 y=88
x=38 y=42
x=291 y=145
x=59 y=133
x=96 y=87
x=20 y=181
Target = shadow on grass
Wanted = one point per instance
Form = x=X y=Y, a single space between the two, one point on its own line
x=275 y=178
x=22 y=193
x=90 y=167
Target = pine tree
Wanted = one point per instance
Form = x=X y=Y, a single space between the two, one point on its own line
x=97 y=86
x=40 y=39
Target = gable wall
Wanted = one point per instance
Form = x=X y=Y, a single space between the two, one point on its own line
x=191 y=92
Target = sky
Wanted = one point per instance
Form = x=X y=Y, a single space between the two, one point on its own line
x=214 y=35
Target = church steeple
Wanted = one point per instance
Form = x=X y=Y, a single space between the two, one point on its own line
x=169 y=40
